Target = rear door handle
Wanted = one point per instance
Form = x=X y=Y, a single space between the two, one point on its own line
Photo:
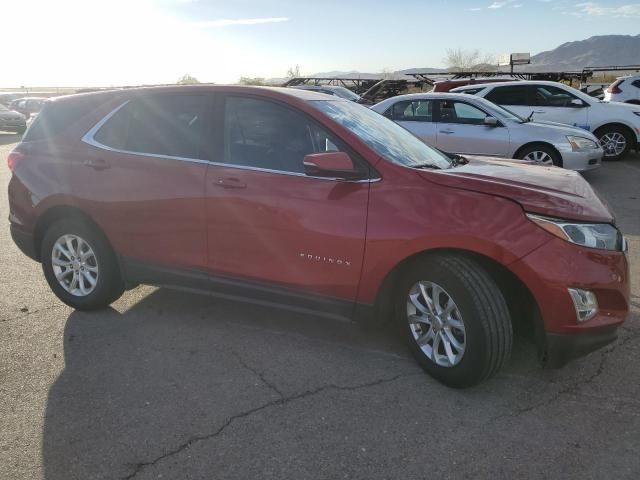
x=447 y=132
x=96 y=163
x=539 y=111
x=230 y=183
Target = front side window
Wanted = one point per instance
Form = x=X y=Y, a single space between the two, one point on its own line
x=549 y=96
x=159 y=125
x=509 y=95
x=385 y=137
x=452 y=111
x=263 y=134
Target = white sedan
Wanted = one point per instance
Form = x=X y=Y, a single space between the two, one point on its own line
x=616 y=125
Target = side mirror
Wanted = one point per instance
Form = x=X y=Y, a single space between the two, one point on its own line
x=577 y=103
x=330 y=165
x=490 y=121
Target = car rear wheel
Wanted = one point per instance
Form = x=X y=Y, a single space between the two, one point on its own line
x=80 y=266
x=615 y=141
x=455 y=319
x=541 y=154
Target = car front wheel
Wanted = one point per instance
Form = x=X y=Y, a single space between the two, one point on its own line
x=455 y=319
x=80 y=266
x=615 y=141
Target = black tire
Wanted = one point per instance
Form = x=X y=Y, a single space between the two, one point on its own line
x=109 y=285
x=484 y=312
x=541 y=147
x=613 y=129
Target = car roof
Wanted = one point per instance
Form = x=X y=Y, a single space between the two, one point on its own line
x=519 y=83
x=282 y=93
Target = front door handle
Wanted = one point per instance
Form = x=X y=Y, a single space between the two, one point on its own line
x=96 y=163
x=230 y=183
x=447 y=132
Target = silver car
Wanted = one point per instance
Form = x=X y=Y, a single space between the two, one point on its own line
x=464 y=124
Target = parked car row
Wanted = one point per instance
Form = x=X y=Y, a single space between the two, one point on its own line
x=296 y=199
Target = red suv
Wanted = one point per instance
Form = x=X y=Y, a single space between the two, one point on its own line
x=287 y=197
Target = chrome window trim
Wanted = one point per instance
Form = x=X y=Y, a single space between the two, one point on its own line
x=89 y=139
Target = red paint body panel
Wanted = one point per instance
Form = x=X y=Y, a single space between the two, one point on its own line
x=291 y=230
x=297 y=231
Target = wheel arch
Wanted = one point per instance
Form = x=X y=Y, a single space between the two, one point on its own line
x=522 y=148
x=523 y=306
x=622 y=125
x=59 y=212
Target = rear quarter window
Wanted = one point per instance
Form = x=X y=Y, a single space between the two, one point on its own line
x=56 y=117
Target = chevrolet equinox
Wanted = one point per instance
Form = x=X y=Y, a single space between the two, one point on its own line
x=293 y=198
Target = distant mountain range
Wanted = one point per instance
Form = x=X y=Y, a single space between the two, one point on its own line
x=603 y=50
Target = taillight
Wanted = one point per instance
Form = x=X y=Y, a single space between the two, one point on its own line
x=614 y=87
x=13 y=159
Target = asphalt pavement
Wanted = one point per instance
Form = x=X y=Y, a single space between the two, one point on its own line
x=173 y=385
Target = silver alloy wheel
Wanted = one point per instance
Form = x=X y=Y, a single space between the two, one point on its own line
x=539 y=156
x=75 y=265
x=436 y=324
x=613 y=144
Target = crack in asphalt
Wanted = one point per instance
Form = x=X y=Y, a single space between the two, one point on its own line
x=260 y=375
x=139 y=467
x=31 y=312
x=572 y=387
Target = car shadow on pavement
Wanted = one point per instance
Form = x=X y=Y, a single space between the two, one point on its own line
x=175 y=366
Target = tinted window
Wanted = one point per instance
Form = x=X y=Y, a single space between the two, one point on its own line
x=509 y=95
x=162 y=125
x=460 y=112
x=416 y=110
x=57 y=116
x=548 y=96
x=636 y=83
x=263 y=134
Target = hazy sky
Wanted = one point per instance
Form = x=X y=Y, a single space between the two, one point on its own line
x=124 y=42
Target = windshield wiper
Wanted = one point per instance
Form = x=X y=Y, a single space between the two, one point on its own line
x=426 y=165
x=459 y=160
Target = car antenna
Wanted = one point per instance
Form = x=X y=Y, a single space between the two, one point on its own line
x=530 y=117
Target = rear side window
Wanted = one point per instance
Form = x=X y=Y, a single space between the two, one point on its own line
x=263 y=134
x=56 y=116
x=160 y=125
x=413 y=110
x=509 y=95
x=636 y=83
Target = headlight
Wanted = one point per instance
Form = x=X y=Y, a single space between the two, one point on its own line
x=594 y=235
x=580 y=143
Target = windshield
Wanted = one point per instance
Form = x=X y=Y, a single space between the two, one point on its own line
x=346 y=93
x=387 y=138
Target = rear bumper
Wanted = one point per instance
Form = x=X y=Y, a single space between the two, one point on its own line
x=24 y=241
x=560 y=349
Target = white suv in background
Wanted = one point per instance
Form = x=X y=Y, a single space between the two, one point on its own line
x=616 y=125
x=624 y=89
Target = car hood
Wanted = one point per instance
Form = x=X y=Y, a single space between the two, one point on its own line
x=549 y=191
x=562 y=128
x=11 y=114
